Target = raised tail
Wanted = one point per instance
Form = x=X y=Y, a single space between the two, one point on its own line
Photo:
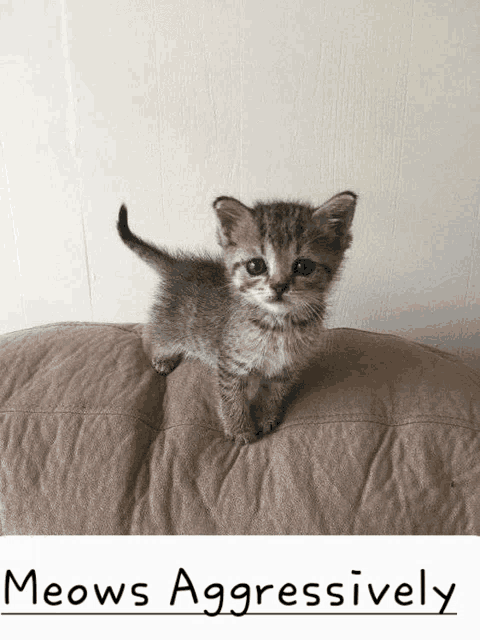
x=154 y=256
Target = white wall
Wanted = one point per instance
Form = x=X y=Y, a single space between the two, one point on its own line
x=166 y=104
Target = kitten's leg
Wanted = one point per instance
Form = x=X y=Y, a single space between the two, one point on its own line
x=163 y=365
x=234 y=406
x=271 y=403
x=164 y=358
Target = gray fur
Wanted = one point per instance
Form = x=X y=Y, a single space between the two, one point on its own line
x=241 y=322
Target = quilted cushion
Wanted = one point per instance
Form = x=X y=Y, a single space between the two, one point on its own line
x=383 y=438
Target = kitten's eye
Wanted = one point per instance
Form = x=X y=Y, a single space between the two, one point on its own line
x=304 y=267
x=256 y=266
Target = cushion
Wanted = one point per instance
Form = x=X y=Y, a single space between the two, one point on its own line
x=382 y=438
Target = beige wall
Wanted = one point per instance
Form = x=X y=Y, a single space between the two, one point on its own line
x=167 y=104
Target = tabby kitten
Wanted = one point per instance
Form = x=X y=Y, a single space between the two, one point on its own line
x=257 y=310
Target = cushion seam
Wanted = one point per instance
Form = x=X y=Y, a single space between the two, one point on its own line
x=85 y=413
x=438 y=420
x=445 y=420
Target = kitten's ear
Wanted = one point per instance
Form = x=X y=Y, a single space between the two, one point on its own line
x=236 y=221
x=334 y=217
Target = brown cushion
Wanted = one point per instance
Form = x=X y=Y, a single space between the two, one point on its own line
x=383 y=438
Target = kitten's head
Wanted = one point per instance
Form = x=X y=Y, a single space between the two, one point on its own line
x=283 y=256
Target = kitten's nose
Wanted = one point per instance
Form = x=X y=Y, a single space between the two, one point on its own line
x=279 y=288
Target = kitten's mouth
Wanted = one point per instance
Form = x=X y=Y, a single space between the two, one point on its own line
x=274 y=304
x=277 y=304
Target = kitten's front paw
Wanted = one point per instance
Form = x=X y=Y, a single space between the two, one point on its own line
x=242 y=437
x=164 y=366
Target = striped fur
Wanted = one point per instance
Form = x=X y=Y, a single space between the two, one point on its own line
x=257 y=310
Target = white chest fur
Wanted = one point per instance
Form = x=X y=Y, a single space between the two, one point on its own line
x=273 y=353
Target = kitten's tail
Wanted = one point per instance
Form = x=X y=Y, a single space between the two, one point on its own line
x=154 y=256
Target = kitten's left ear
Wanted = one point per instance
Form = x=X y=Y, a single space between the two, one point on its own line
x=335 y=216
x=236 y=222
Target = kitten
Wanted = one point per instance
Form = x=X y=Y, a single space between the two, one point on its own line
x=257 y=310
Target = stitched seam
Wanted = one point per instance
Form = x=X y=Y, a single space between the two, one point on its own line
x=85 y=413
x=418 y=417
x=333 y=419
x=389 y=425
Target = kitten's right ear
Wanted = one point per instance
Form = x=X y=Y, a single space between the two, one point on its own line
x=235 y=219
x=339 y=209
